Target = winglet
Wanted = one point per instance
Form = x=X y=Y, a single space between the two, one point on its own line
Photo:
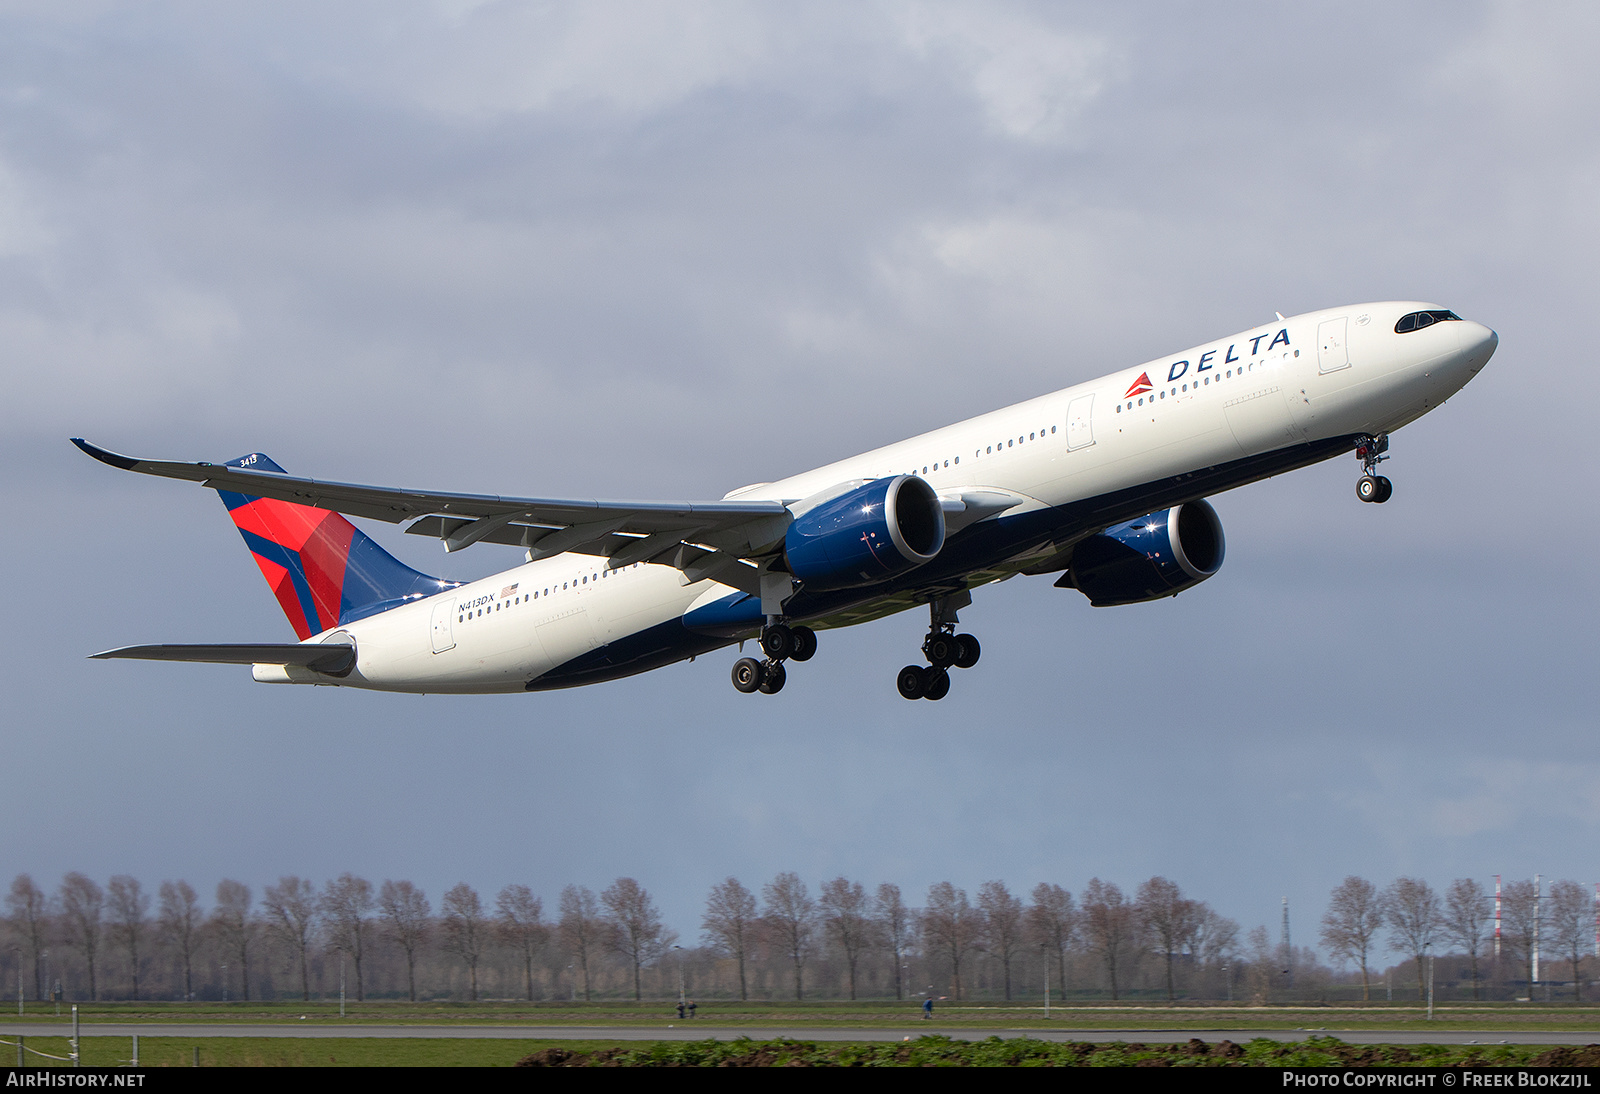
x=126 y=463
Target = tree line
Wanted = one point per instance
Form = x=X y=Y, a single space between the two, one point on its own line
x=781 y=940
x=1561 y=925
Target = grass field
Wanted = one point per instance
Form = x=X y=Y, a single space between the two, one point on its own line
x=155 y=1052
x=872 y=1014
x=294 y=1052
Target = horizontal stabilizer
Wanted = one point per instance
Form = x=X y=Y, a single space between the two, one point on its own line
x=331 y=658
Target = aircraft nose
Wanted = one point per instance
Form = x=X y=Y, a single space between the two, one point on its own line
x=1478 y=344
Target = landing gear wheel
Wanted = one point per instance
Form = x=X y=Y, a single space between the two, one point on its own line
x=942 y=649
x=805 y=643
x=747 y=674
x=936 y=683
x=773 y=677
x=1373 y=487
x=910 y=682
x=968 y=651
x=777 y=642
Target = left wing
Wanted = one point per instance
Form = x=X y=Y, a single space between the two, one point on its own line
x=727 y=540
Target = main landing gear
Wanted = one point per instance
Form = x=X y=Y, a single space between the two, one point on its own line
x=1373 y=487
x=944 y=649
x=780 y=642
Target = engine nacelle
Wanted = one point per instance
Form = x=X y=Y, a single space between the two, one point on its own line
x=866 y=535
x=1146 y=559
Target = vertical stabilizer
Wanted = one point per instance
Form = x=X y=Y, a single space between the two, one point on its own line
x=322 y=569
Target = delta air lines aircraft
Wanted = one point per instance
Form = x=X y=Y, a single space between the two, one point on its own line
x=1103 y=484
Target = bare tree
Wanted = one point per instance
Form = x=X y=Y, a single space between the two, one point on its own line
x=82 y=910
x=26 y=908
x=1109 y=926
x=582 y=928
x=346 y=904
x=1411 y=908
x=1265 y=962
x=730 y=925
x=464 y=928
x=291 y=917
x=1214 y=937
x=847 y=917
x=1000 y=924
x=894 y=926
x=129 y=909
x=1519 y=924
x=1053 y=923
x=951 y=927
x=1571 y=921
x=405 y=909
x=1465 y=922
x=790 y=918
x=521 y=922
x=234 y=927
x=636 y=929
x=1168 y=919
x=1355 y=914
x=179 y=923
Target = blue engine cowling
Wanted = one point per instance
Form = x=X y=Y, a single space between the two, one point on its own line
x=866 y=535
x=1155 y=556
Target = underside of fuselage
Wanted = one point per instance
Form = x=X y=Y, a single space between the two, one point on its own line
x=1038 y=542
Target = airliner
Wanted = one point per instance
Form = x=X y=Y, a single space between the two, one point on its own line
x=1104 y=484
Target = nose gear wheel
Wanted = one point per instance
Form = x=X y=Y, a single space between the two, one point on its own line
x=1372 y=486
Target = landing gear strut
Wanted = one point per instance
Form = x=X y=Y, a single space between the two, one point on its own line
x=944 y=649
x=780 y=642
x=1372 y=486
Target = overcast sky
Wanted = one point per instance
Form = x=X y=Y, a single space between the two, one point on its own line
x=662 y=250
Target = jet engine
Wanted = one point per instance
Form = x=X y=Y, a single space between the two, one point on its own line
x=1157 y=555
x=866 y=535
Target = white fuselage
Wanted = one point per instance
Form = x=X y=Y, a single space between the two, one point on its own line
x=1280 y=387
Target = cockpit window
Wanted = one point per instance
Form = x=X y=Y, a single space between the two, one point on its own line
x=1419 y=319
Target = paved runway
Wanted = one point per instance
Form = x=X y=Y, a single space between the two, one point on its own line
x=690 y=1031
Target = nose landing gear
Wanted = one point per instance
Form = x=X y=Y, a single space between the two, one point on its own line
x=1372 y=486
x=944 y=649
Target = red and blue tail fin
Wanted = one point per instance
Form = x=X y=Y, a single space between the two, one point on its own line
x=322 y=569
